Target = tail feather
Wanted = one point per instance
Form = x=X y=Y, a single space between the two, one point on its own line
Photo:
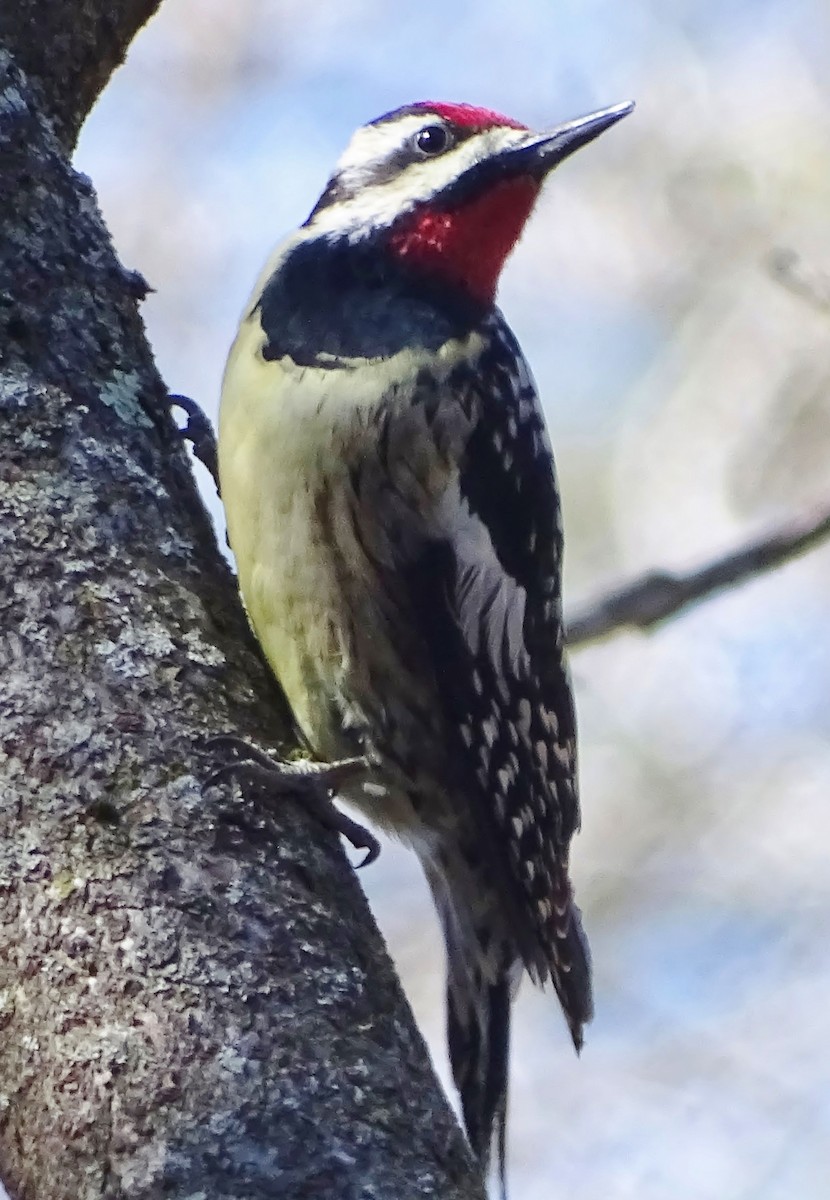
x=571 y=977
x=478 y=1034
x=484 y=966
x=483 y=972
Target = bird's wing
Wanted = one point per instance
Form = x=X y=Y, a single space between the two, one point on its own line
x=485 y=591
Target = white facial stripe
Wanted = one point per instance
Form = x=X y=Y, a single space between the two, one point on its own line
x=373 y=144
x=375 y=203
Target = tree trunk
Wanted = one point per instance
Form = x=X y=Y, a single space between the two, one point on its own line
x=193 y=998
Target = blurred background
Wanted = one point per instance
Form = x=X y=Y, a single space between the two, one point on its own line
x=687 y=394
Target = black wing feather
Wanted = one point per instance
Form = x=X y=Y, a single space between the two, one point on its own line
x=511 y=718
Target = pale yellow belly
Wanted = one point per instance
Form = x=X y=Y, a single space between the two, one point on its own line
x=289 y=441
x=290 y=591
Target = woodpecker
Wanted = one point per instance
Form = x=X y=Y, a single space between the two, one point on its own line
x=392 y=506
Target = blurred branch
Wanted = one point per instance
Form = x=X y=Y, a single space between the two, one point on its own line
x=659 y=595
x=808 y=283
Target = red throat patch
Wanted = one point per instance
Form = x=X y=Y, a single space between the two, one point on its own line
x=467 y=245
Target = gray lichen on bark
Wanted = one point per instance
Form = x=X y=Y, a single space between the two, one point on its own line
x=193 y=1000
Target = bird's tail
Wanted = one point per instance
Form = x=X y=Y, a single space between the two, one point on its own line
x=482 y=977
x=570 y=972
x=478 y=1035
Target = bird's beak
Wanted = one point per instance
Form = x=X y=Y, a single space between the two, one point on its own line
x=541 y=152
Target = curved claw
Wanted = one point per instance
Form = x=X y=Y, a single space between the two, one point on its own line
x=356 y=835
x=314 y=782
x=199 y=432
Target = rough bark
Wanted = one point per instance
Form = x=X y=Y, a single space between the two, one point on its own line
x=193 y=999
x=68 y=50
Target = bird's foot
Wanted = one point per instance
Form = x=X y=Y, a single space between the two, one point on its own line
x=199 y=432
x=314 y=783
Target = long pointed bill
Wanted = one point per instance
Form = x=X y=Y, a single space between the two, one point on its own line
x=464 y=231
x=543 y=151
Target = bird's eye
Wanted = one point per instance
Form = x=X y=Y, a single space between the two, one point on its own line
x=433 y=140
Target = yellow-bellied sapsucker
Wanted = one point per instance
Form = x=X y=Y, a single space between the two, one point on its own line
x=393 y=510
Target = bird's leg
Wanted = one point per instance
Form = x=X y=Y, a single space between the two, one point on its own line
x=314 y=783
x=199 y=432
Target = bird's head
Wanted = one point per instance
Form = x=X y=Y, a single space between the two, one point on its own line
x=446 y=189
